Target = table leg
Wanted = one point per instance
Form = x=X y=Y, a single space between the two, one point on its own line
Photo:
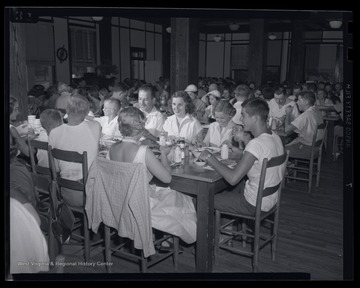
x=205 y=228
x=329 y=140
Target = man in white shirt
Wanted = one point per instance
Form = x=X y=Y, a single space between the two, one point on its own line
x=109 y=122
x=242 y=93
x=305 y=125
x=278 y=104
x=154 y=118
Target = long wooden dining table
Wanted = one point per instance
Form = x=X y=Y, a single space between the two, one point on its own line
x=203 y=184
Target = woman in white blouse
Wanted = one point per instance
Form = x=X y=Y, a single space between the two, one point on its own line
x=221 y=130
x=182 y=124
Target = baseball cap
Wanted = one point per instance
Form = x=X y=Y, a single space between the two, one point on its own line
x=191 y=88
x=214 y=93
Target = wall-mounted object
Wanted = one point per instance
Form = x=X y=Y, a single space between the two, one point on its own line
x=62 y=54
x=335 y=24
x=217 y=38
x=234 y=26
x=97 y=18
x=272 y=36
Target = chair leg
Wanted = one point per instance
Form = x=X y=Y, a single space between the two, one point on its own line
x=243 y=229
x=107 y=247
x=295 y=170
x=176 y=253
x=275 y=232
x=143 y=263
x=217 y=237
x=334 y=150
x=256 y=247
x=318 y=171
x=86 y=238
x=311 y=167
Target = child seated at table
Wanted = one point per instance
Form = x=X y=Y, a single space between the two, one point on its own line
x=109 y=122
x=220 y=130
x=265 y=144
x=171 y=211
x=49 y=119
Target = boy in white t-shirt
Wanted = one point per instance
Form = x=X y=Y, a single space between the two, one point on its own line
x=266 y=144
x=305 y=125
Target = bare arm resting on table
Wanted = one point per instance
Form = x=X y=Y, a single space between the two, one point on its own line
x=232 y=176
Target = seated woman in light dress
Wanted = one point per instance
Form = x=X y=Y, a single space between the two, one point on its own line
x=220 y=130
x=171 y=211
x=182 y=124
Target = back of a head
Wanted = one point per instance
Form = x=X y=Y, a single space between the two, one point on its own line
x=120 y=87
x=131 y=121
x=77 y=104
x=50 y=119
x=309 y=96
x=268 y=93
x=242 y=90
x=257 y=106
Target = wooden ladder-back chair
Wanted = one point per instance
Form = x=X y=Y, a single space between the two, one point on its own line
x=45 y=183
x=79 y=185
x=309 y=166
x=117 y=196
x=34 y=146
x=259 y=239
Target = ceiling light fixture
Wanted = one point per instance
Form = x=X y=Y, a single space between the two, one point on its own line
x=97 y=18
x=234 y=26
x=217 y=38
x=272 y=36
x=335 y=24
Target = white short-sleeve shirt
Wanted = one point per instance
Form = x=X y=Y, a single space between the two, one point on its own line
x=154 y=121
x=306 y=125
x=216 y=134
x=77 y=138
x=264 y=146
x=109 y=128
x=188 y=128
x=42 y=155
x=237 y=116
x=276 y=111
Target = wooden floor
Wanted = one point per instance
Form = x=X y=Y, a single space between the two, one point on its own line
x=310 y=240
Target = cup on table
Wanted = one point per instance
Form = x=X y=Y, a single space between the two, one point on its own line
x=31 y=119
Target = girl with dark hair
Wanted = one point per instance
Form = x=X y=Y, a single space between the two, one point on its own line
x=182 y=123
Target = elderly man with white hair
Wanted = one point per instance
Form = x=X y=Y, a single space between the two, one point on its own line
x=77 y=135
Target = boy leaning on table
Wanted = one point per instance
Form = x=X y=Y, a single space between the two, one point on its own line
x=265 y=144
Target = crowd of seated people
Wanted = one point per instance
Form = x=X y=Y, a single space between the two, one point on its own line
x=76 y=116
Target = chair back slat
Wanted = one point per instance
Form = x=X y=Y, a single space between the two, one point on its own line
x=68 y=156
x=70 y=184
x=42 y=170
x=35 y=145
x=41 y=181
x=274 y=162
x=270 y=190
x=38 y=144
x=317 y=143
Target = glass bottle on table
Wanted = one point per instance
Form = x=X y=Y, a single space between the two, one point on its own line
x=177 y=155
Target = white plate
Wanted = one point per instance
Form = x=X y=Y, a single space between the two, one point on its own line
x=210 y=149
